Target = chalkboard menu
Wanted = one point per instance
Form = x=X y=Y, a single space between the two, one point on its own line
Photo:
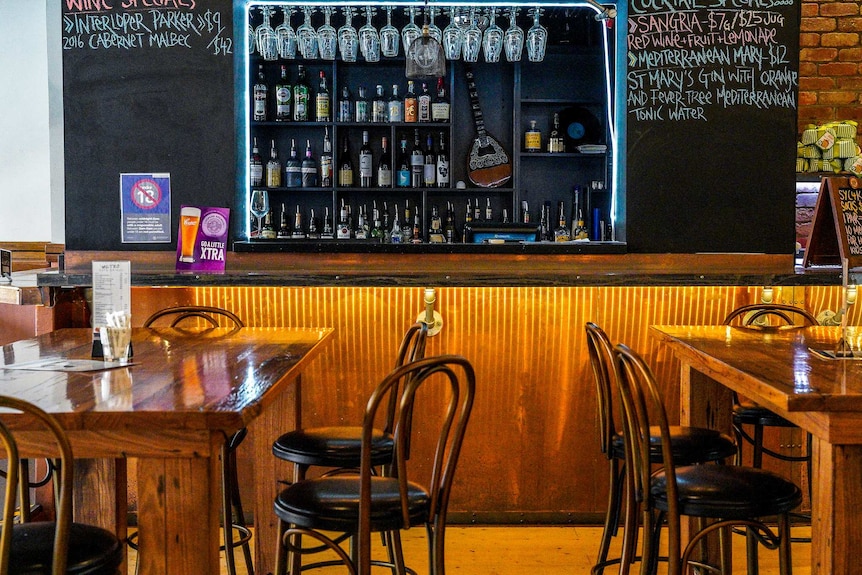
x=148 y=87
x=711 y=92
x=836 y=229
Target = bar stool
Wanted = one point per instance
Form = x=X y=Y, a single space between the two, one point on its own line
x=233 y=517
x=689 y=445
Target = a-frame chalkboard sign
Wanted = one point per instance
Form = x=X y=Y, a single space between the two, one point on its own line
x=836 y=232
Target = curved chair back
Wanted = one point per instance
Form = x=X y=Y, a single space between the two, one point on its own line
x=455 y=375
x=601 y=361
x=62 y=450
x=210 y=315
x=788 y=315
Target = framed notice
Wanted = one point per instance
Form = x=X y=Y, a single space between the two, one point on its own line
x=202 y=238
x=145 y=207
x=836 y=231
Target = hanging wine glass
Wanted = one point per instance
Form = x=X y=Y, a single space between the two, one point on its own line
x=453 y=38
x=513 y=41
x=537 y=38
x=267 y=45
x=433 y=30
x=472 y=39
x=492 y=40
x=348 y=38
x=285 y=36
x=389 y=36
x=327 y=39
x=369 y=39
x=307 y=36
x=252 y=41
x=411 y=31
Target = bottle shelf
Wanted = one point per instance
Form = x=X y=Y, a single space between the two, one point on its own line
x=525 y=154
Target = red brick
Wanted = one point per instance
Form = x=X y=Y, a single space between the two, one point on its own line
x=838 y=69
x=835 y=97
x=850 y=55
x=807 y=98
x=818 y=25
x=817 y=83
x=817 y=114
x=839 y=9
x=839 y=39
x=850 y=24
x=818 y=54
x=849 y=83
x=809 y=40
x=849 y=113
x=810 y=9
x=807 y=69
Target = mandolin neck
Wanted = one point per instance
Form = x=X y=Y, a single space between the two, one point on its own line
x=474 y=103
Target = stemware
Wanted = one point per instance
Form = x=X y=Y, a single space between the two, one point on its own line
x=258 y=205
x=389 y=36
x=307 y=36
x=433 y=30
x=537 y=38
x=411 y=31
x=453 y=37
x=285 y=35
x=265 y=37
x=472 y=39
x=348 y=38
x=492 y=40
x=369 y=39
x=252 y=41
x=327 y=40
x=513 y=41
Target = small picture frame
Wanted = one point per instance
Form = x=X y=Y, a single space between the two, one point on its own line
x=5 y=265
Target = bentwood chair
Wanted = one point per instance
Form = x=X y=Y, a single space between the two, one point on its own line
x=366 y=502
x=726 y=495
x=57 y=547
x=233 y=517
x=689 y=445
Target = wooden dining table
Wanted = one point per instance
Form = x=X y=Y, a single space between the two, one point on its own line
x=173 y=408
x=787 y=371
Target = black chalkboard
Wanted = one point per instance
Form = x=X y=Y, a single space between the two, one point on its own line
x=711 y=113
x=145 y=89
x=836 y=229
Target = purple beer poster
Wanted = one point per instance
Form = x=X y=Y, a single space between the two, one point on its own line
x=202 y=238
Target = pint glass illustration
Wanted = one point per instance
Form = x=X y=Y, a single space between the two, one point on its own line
x=190 y=219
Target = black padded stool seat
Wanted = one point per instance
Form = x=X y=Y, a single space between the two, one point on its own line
x=332 y=504
x=727 y=492
x=689 y=445
x=336 y=446
x=753 y=414
x=92 y=550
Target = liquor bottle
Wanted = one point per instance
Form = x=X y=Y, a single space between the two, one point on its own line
x=362 y=113
x=300 y=97
x=489 y=212
x=323 y=103
x=259 y=96
x=532 y=138
x=396 y=107
x=579 y=231
x=345 y=106
x=477 y=211
x=561 y=232
x=395 y=232
x=255 y=165
x=343 y=232
x=273 y=169
x=378 y=106
x=407 y=224
x=363 y=230
x=449 y=228
x=440 y=108
x=298 y=232
x=411 y=104
x=424 y=100
x=283 y=228
x=384 y=168
x=283 y=97
x=442 y=164
x=430 y=166
x=468 y=215
x=417 y=228
x=345 y=167
x=525 y=212
x=435 y=227
x=377 y=232
x=328 y=233
x=556 y=144
x=293 y=168
x=268 y=231
x=402 y=175
x=544 y=223
x=417 y=162
x=387 y=229
x=313 y=231
x=505 y=215
x=309 y=168
x=366 y=162
x=326 y=160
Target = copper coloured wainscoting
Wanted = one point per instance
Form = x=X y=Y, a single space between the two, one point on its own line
x=531 y=453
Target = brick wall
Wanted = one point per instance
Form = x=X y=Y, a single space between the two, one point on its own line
x=830 y=78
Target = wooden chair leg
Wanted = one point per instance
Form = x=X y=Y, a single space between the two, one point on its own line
x=280 y=550
x=785 y=565
x=612 y=516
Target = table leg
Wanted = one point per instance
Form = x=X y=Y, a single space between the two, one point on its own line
x=281 y=416
x=835 y=510
x=100 y=496
x=179 y=509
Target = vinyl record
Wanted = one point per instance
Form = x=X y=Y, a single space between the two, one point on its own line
x=579 y=126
